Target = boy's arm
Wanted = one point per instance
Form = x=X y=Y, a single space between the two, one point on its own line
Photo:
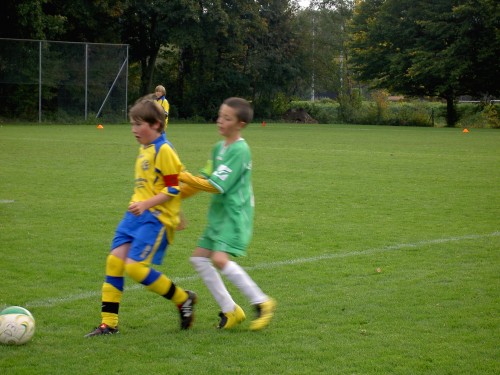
x=187 y=191
x=197 y=183
x=137 y=208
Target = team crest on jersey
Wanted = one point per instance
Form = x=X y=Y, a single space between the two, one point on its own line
x=145 y=165
x=222 y=172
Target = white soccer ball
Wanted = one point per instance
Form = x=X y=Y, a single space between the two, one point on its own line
x=17 y=326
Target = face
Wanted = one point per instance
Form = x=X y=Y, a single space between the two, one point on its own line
x=158 y=94
x=228 y=124
x=144 y=132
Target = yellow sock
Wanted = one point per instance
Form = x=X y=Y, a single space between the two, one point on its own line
x=166 y=288
x=112 y=290
x=156 y=282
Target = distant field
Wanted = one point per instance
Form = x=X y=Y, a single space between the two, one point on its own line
x=380 y=244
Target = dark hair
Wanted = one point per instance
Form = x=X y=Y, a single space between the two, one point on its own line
x=244 y=110
x=147 y=110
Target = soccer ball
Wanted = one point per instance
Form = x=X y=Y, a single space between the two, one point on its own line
x=17 y=326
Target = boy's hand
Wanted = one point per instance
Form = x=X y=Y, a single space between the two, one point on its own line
x=208 y=169
x=183 y=222
x=137 y=208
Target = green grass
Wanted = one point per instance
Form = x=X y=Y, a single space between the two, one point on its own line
x=334 y=203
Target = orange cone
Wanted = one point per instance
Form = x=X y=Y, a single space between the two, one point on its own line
x=465 y=130
x=100 y=126
x=263 y=123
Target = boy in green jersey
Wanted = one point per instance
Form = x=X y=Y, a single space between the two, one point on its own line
x=230 y=218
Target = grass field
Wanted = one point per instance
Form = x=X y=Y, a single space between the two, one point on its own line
x=335 y=205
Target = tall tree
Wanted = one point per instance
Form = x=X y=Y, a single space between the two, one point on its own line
x=241 y=48
x=274 y=54
x=147 y=26
x=328 y=20
x=28 y=19
x=213 y=55
x=442 y=48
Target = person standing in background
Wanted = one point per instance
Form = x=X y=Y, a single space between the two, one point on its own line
x=160 y=93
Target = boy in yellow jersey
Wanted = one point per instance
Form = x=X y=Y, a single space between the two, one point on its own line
x=160 y=93
x=230 y=218
x=142 y=237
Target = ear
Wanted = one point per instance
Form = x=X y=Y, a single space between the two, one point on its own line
x=156 y=126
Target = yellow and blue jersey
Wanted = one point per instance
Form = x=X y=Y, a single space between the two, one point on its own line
x=157 y=170
x=163 y=102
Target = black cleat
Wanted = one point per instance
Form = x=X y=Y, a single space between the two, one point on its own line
x=186 y=310
x=103 y=329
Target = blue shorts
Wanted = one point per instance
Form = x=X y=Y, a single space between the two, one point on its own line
x=147 y=236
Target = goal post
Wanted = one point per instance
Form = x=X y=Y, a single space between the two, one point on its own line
x=63 y=82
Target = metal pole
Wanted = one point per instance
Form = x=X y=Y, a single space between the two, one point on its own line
x=125 y=63
x=313 y=93
x=126 y=88
x=86 y=78
x=40 y=81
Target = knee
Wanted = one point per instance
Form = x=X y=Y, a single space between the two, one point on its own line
x=114 y=266
x=219 y=260
x=137 y=271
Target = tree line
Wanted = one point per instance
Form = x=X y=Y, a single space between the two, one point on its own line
x=273 y=51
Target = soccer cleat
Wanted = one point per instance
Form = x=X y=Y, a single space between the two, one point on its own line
x=103 y=329
x=265 y=312
x=186 y=310
x=230 y=319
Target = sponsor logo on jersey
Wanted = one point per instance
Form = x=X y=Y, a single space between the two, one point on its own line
x=223 y=172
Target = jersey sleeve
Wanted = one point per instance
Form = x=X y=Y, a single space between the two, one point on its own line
x=168 y=166
x=198 y=183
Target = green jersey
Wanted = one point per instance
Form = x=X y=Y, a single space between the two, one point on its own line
x=230 y=215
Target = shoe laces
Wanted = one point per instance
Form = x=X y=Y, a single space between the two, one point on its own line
x=187 y=307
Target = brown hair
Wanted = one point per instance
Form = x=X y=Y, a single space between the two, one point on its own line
x=147 y=110
x=244 y=110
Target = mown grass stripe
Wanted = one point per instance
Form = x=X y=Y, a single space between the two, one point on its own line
x=51 y=302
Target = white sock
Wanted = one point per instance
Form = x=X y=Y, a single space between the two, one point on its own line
x=214 y=283
x=244 y=283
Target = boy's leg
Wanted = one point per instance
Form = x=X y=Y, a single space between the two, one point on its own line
x=231 y=314
x=155 y=281
x=149 y=247
x=112 y=291
x=160 y=284
x=238 y=276
x=264 y=305
x=214 y=282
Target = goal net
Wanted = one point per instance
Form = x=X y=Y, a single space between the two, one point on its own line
x=63 y=82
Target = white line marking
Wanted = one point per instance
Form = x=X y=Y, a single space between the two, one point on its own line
x=50 y=302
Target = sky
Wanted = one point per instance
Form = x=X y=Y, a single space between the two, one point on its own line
x=304 y=3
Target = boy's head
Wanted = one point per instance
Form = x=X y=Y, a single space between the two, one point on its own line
x=242 y=109
x=147 y=110
x=160 y=91
x=234 y=115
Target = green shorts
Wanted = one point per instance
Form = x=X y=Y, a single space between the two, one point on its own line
x=216 y=245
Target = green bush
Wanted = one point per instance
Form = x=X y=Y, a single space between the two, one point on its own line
x=412 y=113
x=325 y=111
x=349 y=106
x=481 y=115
